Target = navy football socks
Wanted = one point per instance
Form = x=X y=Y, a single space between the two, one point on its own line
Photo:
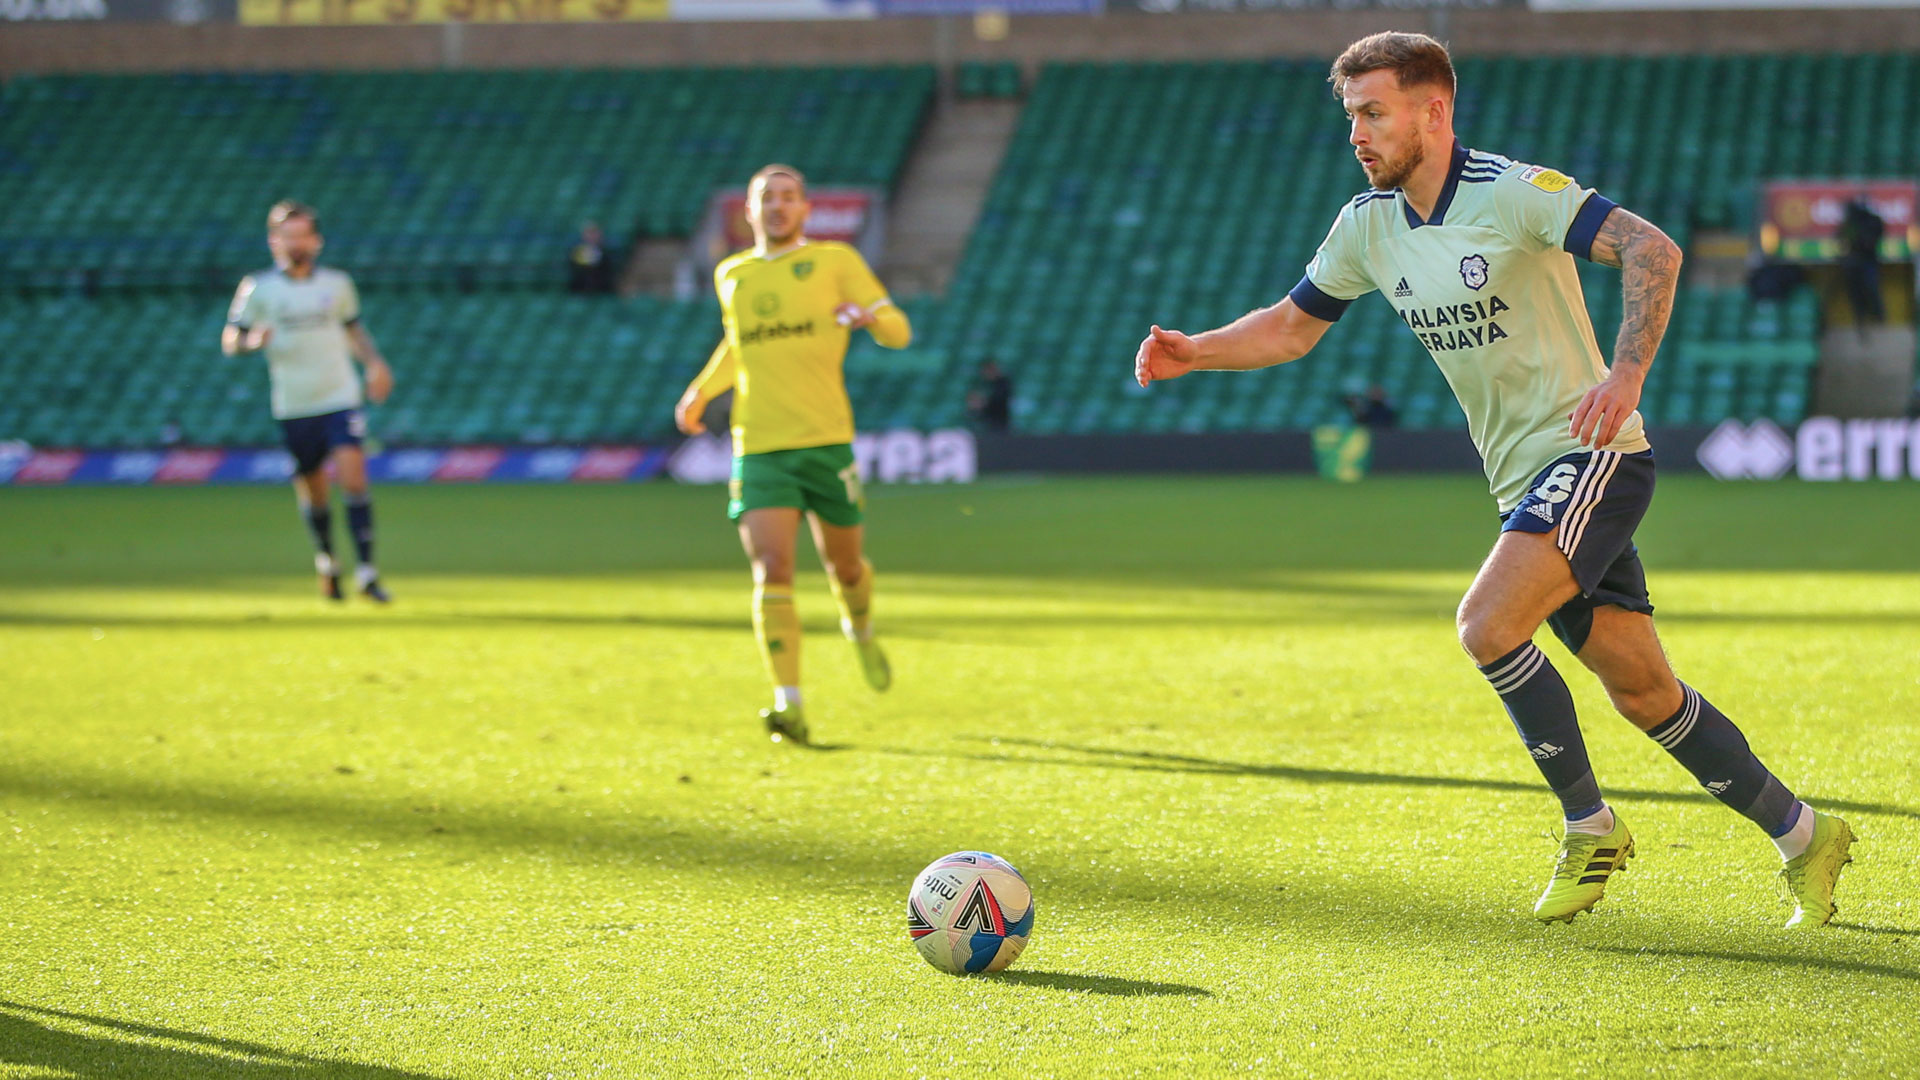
x=1537 y=699
x=1701 y=738
x=320 y=524
x=360 y=524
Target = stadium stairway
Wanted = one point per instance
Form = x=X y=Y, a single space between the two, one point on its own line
x=942 y=190
x=1189 y=193
x=1128 y=194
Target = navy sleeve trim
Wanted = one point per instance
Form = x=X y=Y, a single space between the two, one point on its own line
x=1308 y=298
x=1586 y=225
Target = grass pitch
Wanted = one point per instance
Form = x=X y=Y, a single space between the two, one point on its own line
x=523 y=824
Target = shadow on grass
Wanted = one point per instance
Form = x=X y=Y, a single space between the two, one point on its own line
x=1111 y=985
x=1318 y=604
x=1102 y=757
x=418 y=822
x=941 y=628
x=1863 y=928
x=1853 y=967
x=27 y=1041
x=343 y=618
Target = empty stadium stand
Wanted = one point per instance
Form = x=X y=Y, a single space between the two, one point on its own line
x=472 y=178
x=1183 y=194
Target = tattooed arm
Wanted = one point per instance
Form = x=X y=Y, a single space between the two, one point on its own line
x=1651 y=264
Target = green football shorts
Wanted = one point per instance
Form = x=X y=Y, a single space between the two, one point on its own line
x=823 y=479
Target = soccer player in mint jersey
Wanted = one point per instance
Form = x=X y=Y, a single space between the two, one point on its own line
x=1475 y=253
x=306 y=318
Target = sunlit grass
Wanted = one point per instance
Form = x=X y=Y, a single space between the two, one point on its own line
x=522 y=824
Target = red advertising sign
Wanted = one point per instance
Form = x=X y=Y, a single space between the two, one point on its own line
x=1801 y=219
x=189 y=466
x=468 y=463
x=49 y=467
x=608 y=463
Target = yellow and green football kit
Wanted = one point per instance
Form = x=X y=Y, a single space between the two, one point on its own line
x=783 y=357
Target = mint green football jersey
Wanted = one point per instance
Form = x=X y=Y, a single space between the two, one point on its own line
x=1488 y=285
x=309 y=364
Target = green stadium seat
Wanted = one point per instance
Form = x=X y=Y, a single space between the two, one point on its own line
x=163 y=181
x=1132 y=193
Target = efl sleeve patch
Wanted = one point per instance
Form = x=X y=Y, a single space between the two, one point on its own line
x=1546 y=179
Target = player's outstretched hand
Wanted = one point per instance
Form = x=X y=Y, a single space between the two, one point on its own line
x=1604 y=410
x=256 y=339
x=852 y=316
x=379 y=383
x=686 y=415
x=1165 y=354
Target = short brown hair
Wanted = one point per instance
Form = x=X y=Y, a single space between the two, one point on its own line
x=289 y=208
x=1418 y=59
x=768 y=172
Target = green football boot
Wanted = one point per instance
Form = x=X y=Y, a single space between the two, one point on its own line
x=1580 y=874
x=873 y=663
x=785 y=725
x=1809 y=879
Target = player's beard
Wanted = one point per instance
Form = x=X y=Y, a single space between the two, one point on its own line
x=1392 y=174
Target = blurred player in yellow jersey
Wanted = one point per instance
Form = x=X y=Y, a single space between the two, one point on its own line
x=790 y=307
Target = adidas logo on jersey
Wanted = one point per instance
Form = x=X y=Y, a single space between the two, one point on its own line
x=1543 y=511
x=1546 y=750
x=1403 y=289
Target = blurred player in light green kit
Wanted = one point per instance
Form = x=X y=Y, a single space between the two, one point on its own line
x=306 y=319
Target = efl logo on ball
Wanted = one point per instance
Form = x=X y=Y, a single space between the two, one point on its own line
x=970 y=912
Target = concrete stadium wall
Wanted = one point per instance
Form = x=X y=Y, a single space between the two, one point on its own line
x=145 y=47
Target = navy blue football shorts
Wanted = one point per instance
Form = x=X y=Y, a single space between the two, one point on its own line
x=311 y=439
x=1591 y=501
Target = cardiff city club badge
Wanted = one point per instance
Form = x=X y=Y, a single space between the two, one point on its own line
x=1473 y=271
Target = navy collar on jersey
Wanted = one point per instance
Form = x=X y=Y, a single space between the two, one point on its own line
x=1446 y=193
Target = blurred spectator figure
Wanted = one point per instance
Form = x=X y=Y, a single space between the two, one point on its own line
x=1372 y=409
x=990 y=402
x=170 y=433
x=590 y=266
x=1860 y=234
x=1770 y=280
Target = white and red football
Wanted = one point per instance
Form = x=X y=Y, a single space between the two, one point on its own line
x=970 y=912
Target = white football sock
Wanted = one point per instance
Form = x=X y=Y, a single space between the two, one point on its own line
x=365 y=573
x=786 y=697
x=1795 y=842
x=1598 y=823
x=846 y=628
x=323 y=565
